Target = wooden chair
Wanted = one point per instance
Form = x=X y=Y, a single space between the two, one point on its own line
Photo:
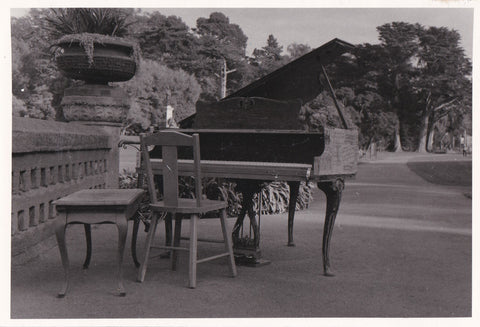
x=180 y=208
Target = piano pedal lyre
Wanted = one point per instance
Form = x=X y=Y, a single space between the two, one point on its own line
x=245 y=248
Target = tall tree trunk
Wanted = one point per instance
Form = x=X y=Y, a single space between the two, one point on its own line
x=422 y=144
x=397 y=145
x=223 y=78
x=430 y=140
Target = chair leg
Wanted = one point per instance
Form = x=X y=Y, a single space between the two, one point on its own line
x=176 y=240
x=192 y=265
x=150 y=236
x=228 y=242
x=168 y=234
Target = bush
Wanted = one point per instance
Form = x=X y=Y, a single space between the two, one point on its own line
x=153 y=88
x=275 y=195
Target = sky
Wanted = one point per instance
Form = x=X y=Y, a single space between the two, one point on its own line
x=315 y=26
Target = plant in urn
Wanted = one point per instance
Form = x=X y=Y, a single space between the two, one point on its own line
x=90 y=47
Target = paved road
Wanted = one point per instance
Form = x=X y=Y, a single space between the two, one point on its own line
x=401 y=247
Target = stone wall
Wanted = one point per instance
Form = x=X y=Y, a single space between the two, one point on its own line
x=50 y=160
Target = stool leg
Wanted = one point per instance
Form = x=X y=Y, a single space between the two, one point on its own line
x=192 y=265
x=122 y=238
x=151 y=234
x=176 y=240
x=88 y=237
x=136 y=224
x=60 y=226
x=228 y=242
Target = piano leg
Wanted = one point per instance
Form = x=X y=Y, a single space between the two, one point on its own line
x=333 y=191
x=294 y=189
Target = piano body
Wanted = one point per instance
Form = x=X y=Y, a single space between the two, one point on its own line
x=254 y=135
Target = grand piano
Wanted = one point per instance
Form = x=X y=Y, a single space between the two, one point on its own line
x=254 y=135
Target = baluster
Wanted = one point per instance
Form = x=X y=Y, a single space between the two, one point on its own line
x=34 y=178
x=61 y=173
x=32 y=216
x=41 y=212
x=53 y=175
x=15 y=182
x=67 y=173
x=22 y=224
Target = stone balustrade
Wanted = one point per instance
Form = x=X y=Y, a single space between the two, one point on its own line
x=51 y=159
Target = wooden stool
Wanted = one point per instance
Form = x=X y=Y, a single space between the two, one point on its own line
x=96 y=206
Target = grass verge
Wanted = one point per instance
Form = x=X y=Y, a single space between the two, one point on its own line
x=451 y=173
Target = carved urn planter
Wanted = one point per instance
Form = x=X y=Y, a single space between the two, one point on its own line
x=97 y=60
x=107 y=61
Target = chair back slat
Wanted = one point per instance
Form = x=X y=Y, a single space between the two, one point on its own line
x=170 y=141
x=170 y=175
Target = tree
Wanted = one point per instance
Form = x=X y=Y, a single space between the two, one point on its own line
x=223 y=46
x=32 y=68
x=408 y=83
x=443 y=86
x=153 y=88
x=322 y=111
x=358 y=86
x=426 y=76
x=165 y=39
x=296 y=50
x=268 y=58
x=202 y=51
x=399 y=43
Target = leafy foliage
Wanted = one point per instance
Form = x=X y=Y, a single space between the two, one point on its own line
x=165 y=39
x=199 y=51
x=268 y=58
x=153 y=88
x=276 y=195
x=425 y=75
x=321 y=112
x=221 y=40
x=104 y=21
x=296 y=50
x=87 y=26
x=32 y=98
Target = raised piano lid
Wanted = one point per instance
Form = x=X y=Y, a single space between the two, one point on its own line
x=298 y=79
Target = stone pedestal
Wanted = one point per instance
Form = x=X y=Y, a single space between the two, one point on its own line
x=105 y=107
x=95 y=103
